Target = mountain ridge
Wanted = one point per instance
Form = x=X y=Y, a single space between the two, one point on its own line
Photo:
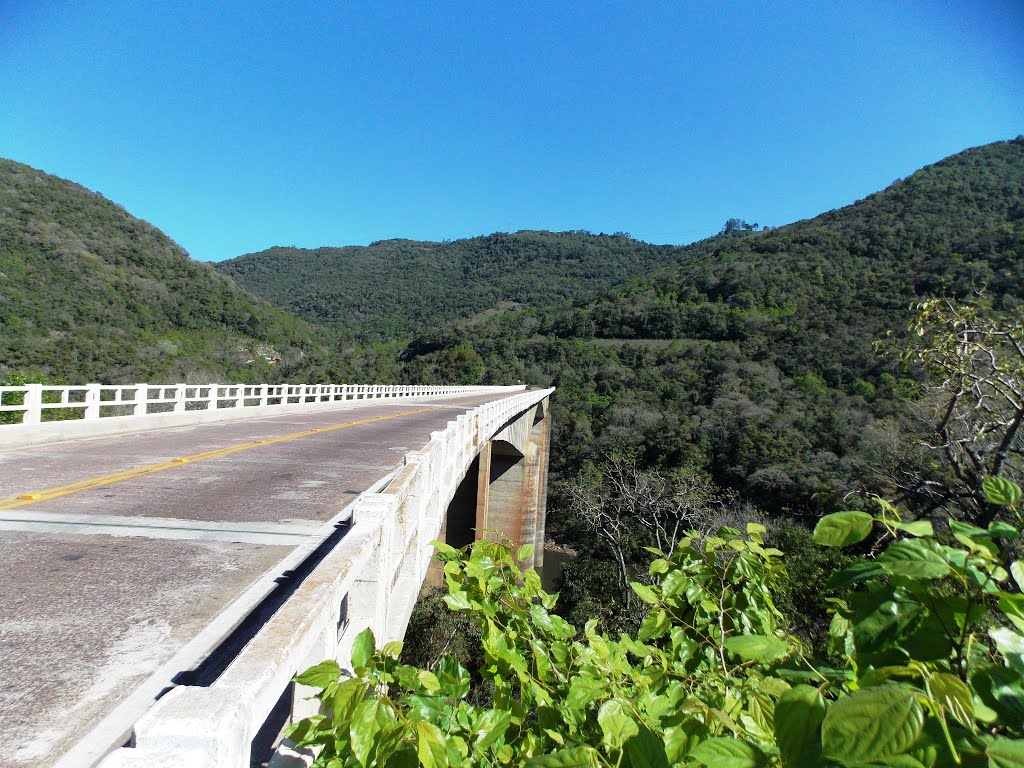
x=88 y=291
x=434 y=282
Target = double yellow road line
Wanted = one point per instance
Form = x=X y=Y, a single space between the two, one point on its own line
x=33 y=497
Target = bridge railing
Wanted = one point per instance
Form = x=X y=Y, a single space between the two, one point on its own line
x=370 y=579
x=36 y=403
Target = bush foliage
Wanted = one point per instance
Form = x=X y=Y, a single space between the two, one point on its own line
x=928 y=647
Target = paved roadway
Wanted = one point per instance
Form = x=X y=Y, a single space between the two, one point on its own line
x=119 y=561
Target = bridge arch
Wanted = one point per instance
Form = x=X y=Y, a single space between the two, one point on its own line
x=504 y=493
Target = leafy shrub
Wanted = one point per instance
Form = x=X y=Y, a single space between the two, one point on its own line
x=711 y=679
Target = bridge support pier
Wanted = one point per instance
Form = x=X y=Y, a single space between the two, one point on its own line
x=504 y=494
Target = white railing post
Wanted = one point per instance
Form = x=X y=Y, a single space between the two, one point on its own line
x=92 y=401
x=240 y=399
x=180 y=397
x=263 y=394
x=141 y=398
x=33 y=404
x=211 y=403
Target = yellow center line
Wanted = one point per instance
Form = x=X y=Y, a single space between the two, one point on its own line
x=32 y=497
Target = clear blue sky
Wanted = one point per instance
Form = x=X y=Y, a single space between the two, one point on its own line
x=234 y=126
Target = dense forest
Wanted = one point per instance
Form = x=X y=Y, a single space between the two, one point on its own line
x=395 y=288
x=90 y=293
x=753 y=358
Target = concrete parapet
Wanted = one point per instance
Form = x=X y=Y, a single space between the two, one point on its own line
x=370 y=579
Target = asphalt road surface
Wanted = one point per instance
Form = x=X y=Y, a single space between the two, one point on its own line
x=122 y=553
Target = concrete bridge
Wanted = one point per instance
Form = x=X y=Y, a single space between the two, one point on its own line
x=176 y=554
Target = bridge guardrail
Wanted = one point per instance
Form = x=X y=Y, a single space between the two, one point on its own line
x=94 y=401
x=100 y=409
x=371 y=579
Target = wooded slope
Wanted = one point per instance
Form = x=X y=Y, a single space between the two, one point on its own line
x=395 y=288
x=751 y=358
x=88 y=292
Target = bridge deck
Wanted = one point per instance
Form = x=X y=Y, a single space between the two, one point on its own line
x=120 y=562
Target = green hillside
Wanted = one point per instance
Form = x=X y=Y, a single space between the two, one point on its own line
x=90 y=293
x=751 y=358
x=395 y=288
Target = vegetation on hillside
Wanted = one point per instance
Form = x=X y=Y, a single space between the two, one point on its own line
x=90 y=293
x=753 y=359
x=394 y=289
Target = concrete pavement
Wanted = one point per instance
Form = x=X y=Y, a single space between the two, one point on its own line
x=124 y=567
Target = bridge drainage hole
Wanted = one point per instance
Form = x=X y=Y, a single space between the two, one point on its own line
x=270 y=733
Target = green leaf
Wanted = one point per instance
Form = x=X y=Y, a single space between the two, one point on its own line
x=1017 y=571
x=1011 y=645
x=725 y=752
x=532 y=582
x=1000 y=491
x=453 y=677
x=392 y=649
x=445 y=551
x=490 y=727
x=927 y=639
x=303 y=729
x=320 y=676
x=680 y=739
x=363 y=648
x=458 y=601
x=855 y=573
x=911 y=557
x=645 y=593
x=674 y=583
x=757 y=647
x=369 y=718
x=1000 y=530
x=428 y=680
x=616 y=723
x=871 y=724
x=646 y=750
x=524 y=552
x=1005 y=753
x=954 y=696
x=577 y=757
x=583 y=690
x=655 y=625
x=840 y=529
x=1000 y=689
x=541 y=619
x=882 y=624
x=917 y=528
x=430 y=745
x=658 y=565
x=389 y=741
x=346 y=698
x=799 y=713
x=428 y=708
x=995 y=530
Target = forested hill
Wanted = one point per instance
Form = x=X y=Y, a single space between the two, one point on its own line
x=752 y=357
x=825 y=288
x=90 y=293
x=395 y=288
